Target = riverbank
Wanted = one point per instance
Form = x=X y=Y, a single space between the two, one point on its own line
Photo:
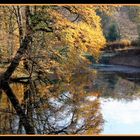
x=130 y=57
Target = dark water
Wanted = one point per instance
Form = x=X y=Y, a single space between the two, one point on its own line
x=108 y=103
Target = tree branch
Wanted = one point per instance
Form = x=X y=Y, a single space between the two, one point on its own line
x=25 y=121
x=44 y=30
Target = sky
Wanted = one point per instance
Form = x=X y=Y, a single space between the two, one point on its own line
x=121 y=117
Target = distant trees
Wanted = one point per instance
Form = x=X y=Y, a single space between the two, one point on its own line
x=113 y=33
x=134 y=16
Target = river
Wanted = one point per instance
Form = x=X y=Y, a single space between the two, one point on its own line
x=120 y=100
x=108 y=103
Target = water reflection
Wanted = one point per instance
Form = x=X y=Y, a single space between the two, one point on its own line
x=89 y=104
x=122 y=117
x=60 y=108
x=115 y=86
x=120 y=102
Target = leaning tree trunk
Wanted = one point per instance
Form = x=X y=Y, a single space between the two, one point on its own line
x=23 y=118
x=4 y=78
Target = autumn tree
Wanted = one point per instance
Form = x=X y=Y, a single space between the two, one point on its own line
x=52 y=41
x=4 y=79
x=60 y=108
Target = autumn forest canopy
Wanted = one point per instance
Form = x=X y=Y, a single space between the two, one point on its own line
x=44 y=48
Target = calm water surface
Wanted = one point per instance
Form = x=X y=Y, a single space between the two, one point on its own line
x=120 y=100
x=116 y=100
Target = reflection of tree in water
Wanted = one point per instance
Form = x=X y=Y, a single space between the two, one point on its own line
x=105 y=83
x=8 y=116
x=60 y=108
x=114 y=86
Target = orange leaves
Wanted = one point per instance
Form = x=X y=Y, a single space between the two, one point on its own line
x=85 y=37
x=81 y=35
x=85 y=34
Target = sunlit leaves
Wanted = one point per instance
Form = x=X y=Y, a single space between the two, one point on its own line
x=54 y=58
x=85 y=34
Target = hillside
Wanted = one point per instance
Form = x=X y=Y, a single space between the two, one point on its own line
x=127 y=28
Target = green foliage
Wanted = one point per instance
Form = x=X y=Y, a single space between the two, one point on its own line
x=113 y=33
x=105 y=19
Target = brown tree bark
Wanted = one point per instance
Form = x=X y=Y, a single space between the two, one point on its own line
x=23 y=118
x=4 y=78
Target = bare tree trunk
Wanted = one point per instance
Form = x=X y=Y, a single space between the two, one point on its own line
x=15 y=62
x=23 y=118
x=4 y=78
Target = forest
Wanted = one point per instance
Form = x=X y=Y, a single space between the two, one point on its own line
x=51 y=63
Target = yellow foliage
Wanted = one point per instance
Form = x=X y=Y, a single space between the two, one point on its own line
x=79 y=36
x=85 y=34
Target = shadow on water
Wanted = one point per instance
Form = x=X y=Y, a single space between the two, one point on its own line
x=118 y=81
x=60 y=108
x=76 y=107
x=126 y=72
